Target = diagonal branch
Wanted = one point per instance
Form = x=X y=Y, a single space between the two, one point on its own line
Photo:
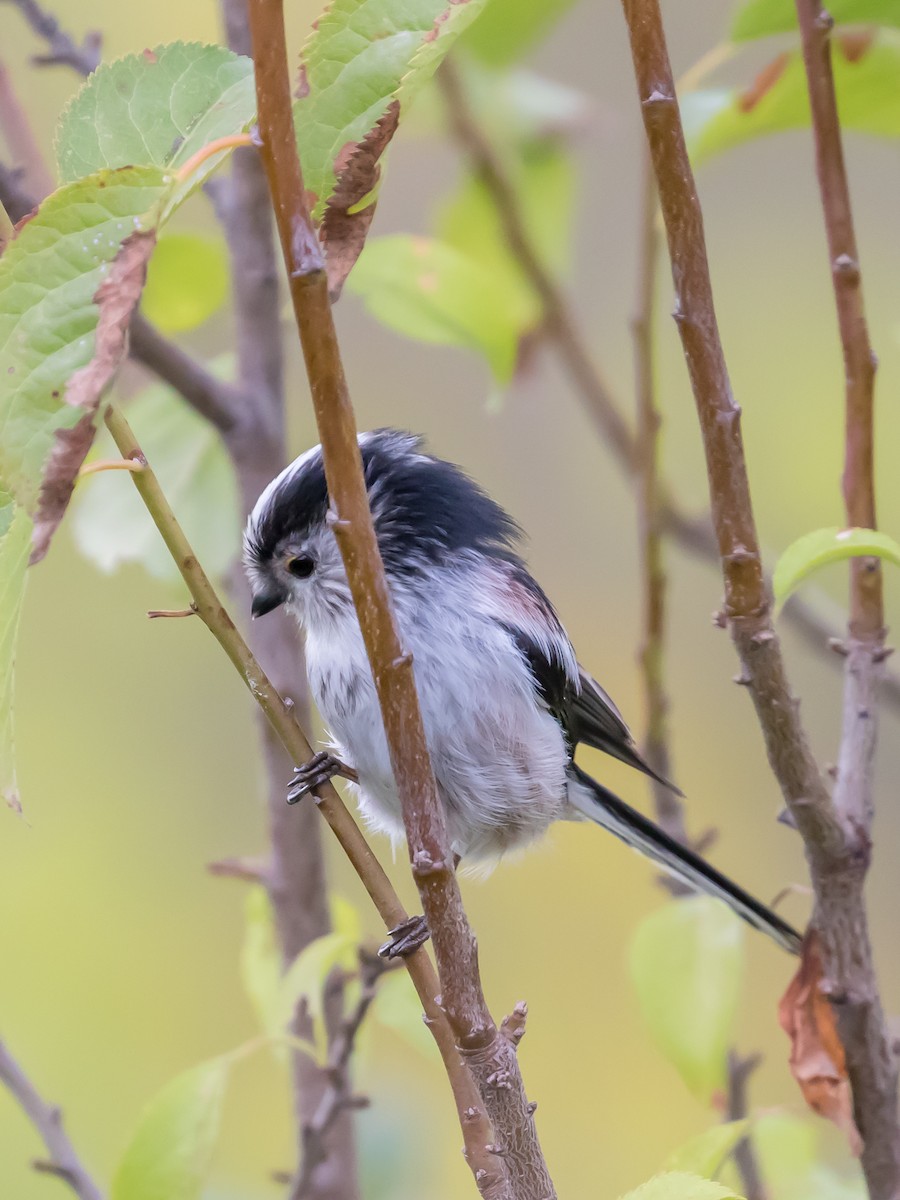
x=62 y=49
x=491 y=1057
x=837 y=849
x=282 y=718
x=871 y=1063
x=47 y=1120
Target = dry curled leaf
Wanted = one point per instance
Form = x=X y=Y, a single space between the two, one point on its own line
x=116 y=299
x=817 y=1056
x=347 y=218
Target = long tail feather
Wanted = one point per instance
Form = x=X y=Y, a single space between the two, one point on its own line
x=599 y=804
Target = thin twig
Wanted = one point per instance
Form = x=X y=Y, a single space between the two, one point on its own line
x=338 y=1097
x=837 y=848
x=47 y=1121
x=692 y=533
x=475 y=1125
x=744 y=1155
x=62 y=49
x=669 y=808
x=491 y=1057
x=871 y=1063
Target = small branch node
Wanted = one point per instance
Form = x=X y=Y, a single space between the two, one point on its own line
x=657 y=97
x=846 y=268
x=838 y=646
x=720 y=619
x=743 y=679
x=884 y=652
x=333 y=521
x=154 y=613
x=493 y=1148
x=532 y=1107
x=512 y=1027
x=824 y=21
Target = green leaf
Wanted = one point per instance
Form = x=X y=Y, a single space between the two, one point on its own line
x=865 y=75
x=187 y=281
x=824 y=546
x=361 y=56
x=544 y=179
x=15 y=545
x=686 y=961
x=398 y=1007
x=305 y=979
x=759 y=18
x=509 y=28
x=170 y=1154
x=68 y=284
x=678 y=1185
x=431 y=292
x=261 y=959
x=111 y=524
x=158 y=108
x=705 y=1154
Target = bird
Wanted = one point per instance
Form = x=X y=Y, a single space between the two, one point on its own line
x=504 y=701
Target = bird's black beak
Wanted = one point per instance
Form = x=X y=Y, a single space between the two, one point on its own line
x=266 y=602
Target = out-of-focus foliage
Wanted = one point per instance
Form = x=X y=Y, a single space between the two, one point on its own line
x=686 y=962
x=815 y=550
x=707 y=1153
x=680 y=1185
x=111 y=524
x=433 y=292
x=510 y=28
x=866 y=69
x=169 y=1156
x=758 y=18
x=187 y=281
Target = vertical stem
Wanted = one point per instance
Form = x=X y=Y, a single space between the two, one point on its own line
x=871 y=1061
x=669 y=809
x=836 y=833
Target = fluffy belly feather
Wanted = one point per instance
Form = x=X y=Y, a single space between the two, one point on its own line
x=498 y=758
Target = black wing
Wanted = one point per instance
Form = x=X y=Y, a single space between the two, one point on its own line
x=584 y=710
x=595 y=721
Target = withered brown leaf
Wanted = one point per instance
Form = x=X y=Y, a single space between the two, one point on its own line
x=357 y=167
x=116 y=299
x=817 y=1056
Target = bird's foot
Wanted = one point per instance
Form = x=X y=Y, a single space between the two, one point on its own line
x=320 y=768
x=406 y=938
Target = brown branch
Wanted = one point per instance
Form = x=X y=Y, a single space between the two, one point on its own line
x=215 y=399
x=47 y=1121
x=62 y=49
x=694 y=534
x=669 y=808
x=739 y=1072
x=871 y=1063
x=282 y=718
x=491 y=1057
x=338 y=1097
x=837 y=849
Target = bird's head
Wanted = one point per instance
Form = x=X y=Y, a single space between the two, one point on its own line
x=427 y=513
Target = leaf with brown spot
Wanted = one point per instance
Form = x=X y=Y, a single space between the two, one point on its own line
x=116 y=299
x=347 y=219
x=817 y=1057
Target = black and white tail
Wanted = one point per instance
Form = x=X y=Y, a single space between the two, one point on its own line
x=598 y=804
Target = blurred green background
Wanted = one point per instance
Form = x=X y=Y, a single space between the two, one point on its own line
x=137 y=753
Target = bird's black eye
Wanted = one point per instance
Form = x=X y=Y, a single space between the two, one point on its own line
x=302 y=566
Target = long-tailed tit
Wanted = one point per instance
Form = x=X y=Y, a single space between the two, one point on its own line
x=504 y=701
